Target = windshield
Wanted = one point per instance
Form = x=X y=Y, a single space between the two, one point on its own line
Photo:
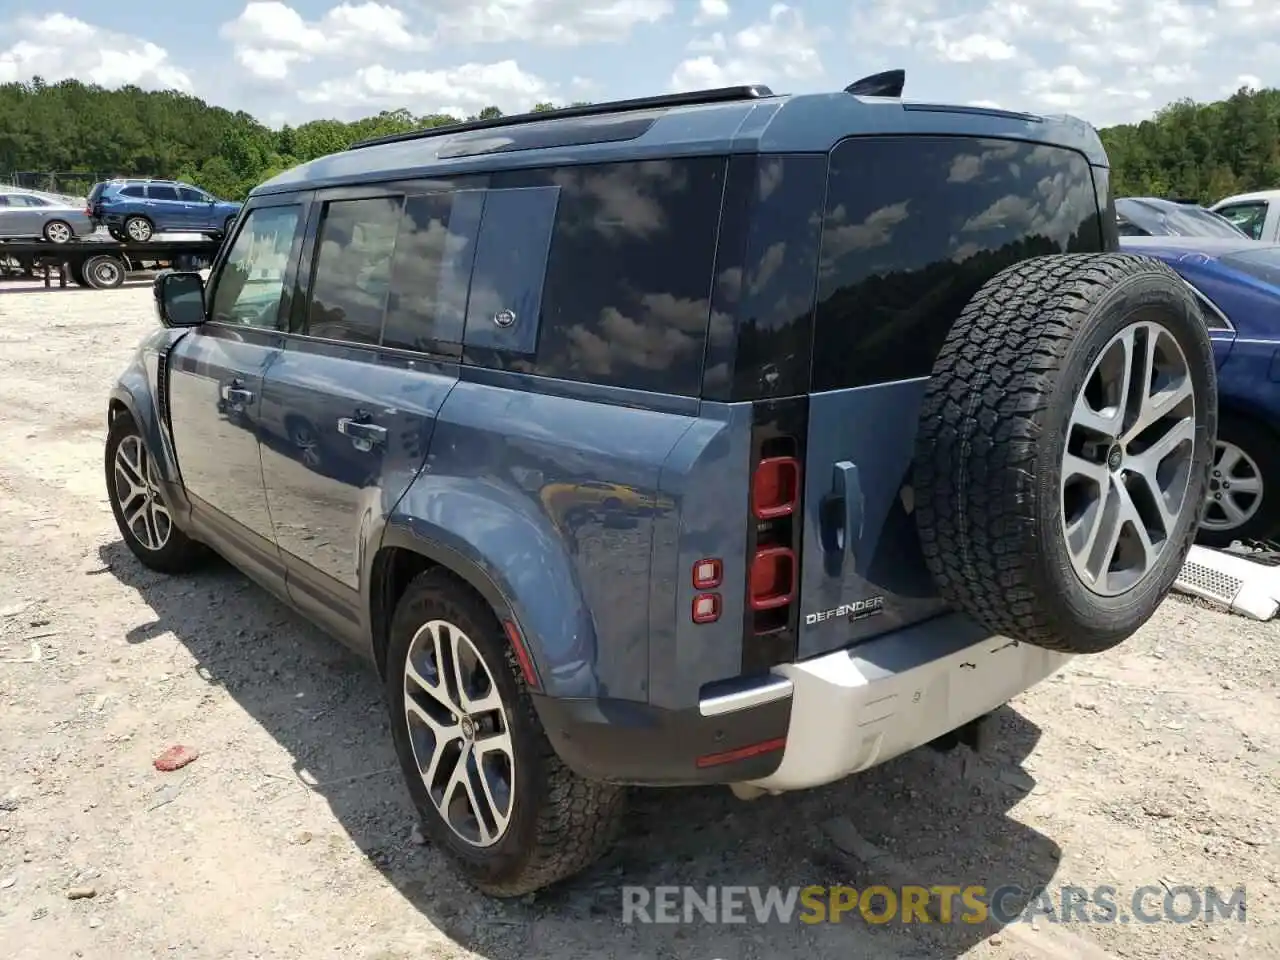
x=1175 y=220
x=1262 y=263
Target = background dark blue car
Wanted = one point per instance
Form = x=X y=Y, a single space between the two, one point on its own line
x=139 y=209
x=1237 y=282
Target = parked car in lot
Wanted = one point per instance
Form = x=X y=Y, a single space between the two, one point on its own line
x=28 y=216
x=1257 y=214
x=138 y=209
x=1238 y=286
x=721 y=437
x=1157 y=217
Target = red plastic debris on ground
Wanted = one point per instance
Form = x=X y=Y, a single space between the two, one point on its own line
x=175 y=757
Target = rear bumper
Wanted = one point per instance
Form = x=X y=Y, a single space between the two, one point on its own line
x=808 y=723
x=853 y=709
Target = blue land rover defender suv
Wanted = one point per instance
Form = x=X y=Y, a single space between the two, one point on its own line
x=725 y=437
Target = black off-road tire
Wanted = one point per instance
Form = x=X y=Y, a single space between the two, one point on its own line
x=993 y=425
x=1263 y=447
x=560 y=823
x=180 y=554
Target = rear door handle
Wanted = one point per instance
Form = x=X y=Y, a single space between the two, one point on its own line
x=840 y=516
x=364 y=435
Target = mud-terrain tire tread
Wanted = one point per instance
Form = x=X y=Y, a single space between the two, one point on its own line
x=576 y=819
x=181 y=554
x=977 y=496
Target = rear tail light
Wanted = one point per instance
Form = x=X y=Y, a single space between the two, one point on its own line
x=773 y=578
x=775 y=488
x=706 y=608
x=707 y=575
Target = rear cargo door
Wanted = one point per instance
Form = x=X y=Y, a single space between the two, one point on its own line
x=913 y=226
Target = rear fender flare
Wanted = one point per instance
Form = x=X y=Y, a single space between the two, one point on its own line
x=517 y=562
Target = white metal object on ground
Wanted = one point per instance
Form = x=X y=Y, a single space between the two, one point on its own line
x=1239 y=584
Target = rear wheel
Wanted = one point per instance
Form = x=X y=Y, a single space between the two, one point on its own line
x=102 y=272
x=492 y=793
x=1064 y=449
x=1243 y=498
x=139 y=229
x=143 y=517
x=58 y=231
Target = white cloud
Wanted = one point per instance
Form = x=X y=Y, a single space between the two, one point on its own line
x=269 y=38
x=783 y=47
x=58 y=47
x=709 y=10
x=553 y=22
x=460 y=91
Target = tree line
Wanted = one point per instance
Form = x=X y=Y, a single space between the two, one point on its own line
x=81 y=132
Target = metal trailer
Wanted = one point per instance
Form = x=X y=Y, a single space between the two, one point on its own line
x=101 y=264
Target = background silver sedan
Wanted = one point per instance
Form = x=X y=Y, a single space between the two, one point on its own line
x=29 y=215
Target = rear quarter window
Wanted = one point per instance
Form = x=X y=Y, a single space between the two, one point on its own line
x=913 y=226
x=626 y=298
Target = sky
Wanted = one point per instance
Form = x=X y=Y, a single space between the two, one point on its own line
x=1107 y=61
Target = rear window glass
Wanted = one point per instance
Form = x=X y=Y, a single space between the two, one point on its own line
x=915 y=225
x=1261 y=264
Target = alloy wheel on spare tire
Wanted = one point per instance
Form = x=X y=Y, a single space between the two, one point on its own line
x=493 y=795
x=1242 y=501
x=138 y=229
x=1064 y=448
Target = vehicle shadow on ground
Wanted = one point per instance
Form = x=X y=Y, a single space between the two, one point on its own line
x=925 y=818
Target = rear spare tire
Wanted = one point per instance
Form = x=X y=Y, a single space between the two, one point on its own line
x=1064 y=448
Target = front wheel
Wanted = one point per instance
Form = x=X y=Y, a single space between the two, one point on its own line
x=144 y=518
x=492 y=794
x=1241 y=502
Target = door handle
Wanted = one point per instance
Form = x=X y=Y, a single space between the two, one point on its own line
x=364 y=435
x=233 y=392
x=840 y=516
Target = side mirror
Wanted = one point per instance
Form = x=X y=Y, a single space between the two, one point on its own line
x=179 y=298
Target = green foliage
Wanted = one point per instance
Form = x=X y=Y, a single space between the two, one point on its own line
x=1200 y=151
x=71 y=126
x=1205 y=151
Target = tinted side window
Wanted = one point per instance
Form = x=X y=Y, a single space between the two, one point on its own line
x=352 y=269
x=1249 y=217
x=191 y=196
x=915 y=225
x=431 y=269
x=250 y=286
x=626 y=299
x=133 y=192
x=158 y=192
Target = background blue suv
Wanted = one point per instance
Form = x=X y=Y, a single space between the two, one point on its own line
x=138 y=209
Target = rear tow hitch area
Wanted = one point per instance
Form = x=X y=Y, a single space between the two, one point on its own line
x=975 y=734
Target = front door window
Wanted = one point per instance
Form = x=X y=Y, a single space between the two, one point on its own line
x=250 y=288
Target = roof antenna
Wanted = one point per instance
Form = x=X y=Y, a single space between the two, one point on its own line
x=886 y=84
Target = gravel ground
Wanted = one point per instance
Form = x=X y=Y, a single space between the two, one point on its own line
x=291 y=836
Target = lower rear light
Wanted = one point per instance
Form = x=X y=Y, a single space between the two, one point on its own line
x=775 y=487
x=522 y=656
x=707 y=574
x=742 y=753
x=706 y=608
x=773 y=578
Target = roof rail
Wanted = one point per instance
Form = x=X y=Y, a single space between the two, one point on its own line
x=694 y=97
x=886 y=84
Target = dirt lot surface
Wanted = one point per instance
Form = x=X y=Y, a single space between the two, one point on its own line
x=291 y=835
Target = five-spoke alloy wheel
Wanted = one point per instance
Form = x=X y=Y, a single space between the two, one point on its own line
x=136 y=494
x=493 y=795
x=458 y=730
x=1128 y=458
x=1240 y=502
